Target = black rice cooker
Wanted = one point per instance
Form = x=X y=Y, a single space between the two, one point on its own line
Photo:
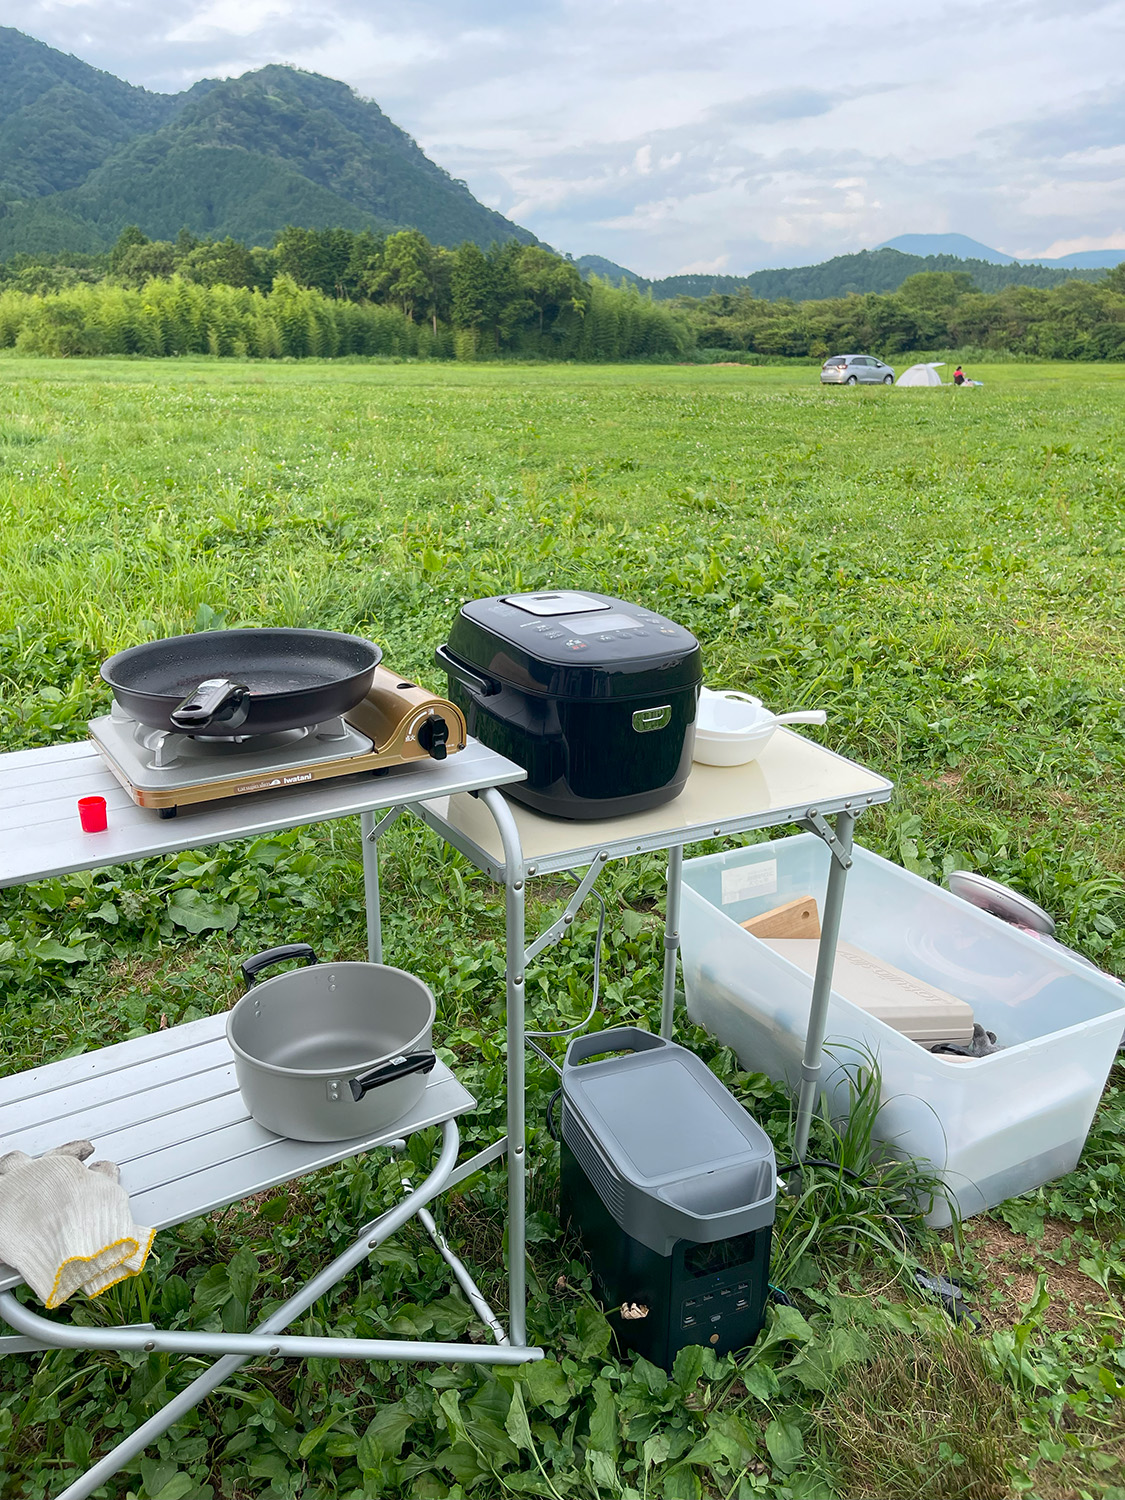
x=593 y=696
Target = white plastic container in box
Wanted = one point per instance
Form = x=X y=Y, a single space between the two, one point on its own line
x=993 y=1127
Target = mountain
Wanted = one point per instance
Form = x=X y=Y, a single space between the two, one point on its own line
x=865 y=271
x=946 y=244
x=1089 y=259
x=961 y=245
x=60 y=118
x=609 y=270
x=83 y=154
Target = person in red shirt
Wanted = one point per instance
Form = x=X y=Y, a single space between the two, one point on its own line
x=958 y=376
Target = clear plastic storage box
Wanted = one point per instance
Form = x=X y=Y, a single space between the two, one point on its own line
x=992 y=1127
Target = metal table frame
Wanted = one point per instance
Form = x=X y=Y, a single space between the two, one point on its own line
x=166 y=1108
x=39 y=838
x=794 y=781
x=766 y=795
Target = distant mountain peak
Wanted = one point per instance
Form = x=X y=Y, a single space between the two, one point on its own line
x=946 y=244
x=609 y=270
x=83 y=154
x=967 y=249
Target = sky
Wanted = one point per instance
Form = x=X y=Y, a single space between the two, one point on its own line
x=705 y=135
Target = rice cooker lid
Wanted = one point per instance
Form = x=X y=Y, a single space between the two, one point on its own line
x=571 y=644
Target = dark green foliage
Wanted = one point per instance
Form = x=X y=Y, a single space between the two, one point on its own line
x=936 y=310
x=83 y=154
x=312 y=295
x=60 y=118
x=865 y=271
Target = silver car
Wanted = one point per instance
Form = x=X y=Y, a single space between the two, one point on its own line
x=855 y=369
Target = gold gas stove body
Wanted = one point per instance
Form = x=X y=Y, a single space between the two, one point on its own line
x=395 y=723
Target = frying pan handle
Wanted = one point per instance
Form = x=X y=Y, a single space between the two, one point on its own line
x=398 y=1067
x=465 y=676
x=216 y=701
x=252 y=967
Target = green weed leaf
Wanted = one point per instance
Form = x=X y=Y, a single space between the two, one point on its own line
x=195 y=914
x=516 y=1424
x=604 y=1434
x=785 y=1443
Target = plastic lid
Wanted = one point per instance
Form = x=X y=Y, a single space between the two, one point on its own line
x=661 y=1115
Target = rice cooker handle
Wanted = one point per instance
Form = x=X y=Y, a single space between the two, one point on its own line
x=398 y=1067
x=464 y=676
x=252 y=967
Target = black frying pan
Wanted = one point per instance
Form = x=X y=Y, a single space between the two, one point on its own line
x=226 y=682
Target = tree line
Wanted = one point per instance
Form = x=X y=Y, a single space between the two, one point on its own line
x=357 y=293
x=333 y=292
x=931 y=311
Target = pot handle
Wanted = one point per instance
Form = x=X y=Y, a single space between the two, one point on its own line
x=465 y=677
x=218 y=701
x=398 y=1067
x=252 y=967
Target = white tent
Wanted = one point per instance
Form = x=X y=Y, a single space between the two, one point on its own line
x=921 y=375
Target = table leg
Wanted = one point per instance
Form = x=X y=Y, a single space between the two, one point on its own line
x=671 y=939
x=514 y=937
x=281 y=1317
x=370 y=848
x=811 y=1062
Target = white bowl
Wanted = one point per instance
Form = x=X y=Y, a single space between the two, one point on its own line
x=733 y=728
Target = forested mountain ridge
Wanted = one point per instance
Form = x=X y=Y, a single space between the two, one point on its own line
x=844 y=275
x=60 y=118
x=82 y=155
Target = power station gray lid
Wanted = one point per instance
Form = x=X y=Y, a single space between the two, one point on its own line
x=663 y=1115
x=670 y=1151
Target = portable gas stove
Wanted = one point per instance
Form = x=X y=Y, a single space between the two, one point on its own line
x=397 y=722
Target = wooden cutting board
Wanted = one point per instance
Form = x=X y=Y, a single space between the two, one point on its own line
x=916 y=1009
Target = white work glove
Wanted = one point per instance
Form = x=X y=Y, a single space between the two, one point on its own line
x=64 y=1225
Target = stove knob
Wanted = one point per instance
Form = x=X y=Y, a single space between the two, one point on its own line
x=433 y=737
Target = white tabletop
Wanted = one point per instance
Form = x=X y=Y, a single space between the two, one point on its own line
x=791 y=777
x=40 y=834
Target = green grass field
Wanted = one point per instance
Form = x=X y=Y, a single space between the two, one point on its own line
x=939 y=570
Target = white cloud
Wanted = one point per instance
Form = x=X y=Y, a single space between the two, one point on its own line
x=664 y=133
x=1114 y=241
x=703 y=267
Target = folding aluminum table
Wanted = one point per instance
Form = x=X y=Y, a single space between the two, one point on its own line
x=166 y=1106
x=794 y=780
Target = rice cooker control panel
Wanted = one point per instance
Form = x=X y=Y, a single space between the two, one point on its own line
x=565 y=623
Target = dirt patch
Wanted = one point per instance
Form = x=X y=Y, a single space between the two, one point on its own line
x=138 y=971
x=1012 y=1265
x=947 y=781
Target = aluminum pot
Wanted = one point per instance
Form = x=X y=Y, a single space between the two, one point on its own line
x=330 y=1051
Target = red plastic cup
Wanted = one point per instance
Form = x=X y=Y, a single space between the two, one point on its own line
x=91 y=812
